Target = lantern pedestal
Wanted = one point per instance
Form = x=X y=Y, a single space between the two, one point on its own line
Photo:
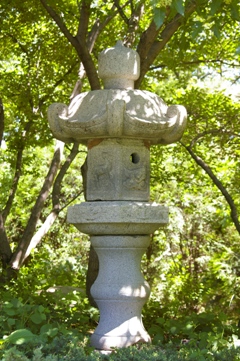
x=120 y=290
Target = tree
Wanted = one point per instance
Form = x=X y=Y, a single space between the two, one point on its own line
x=45 y=44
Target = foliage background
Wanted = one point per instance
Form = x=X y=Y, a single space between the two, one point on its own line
x=193 y=264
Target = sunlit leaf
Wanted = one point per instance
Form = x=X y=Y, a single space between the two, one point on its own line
x=21 y=336
x=159 y=16
x=179 y=6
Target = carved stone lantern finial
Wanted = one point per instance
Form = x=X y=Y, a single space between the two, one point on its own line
x=118 y=124
x=119 y=67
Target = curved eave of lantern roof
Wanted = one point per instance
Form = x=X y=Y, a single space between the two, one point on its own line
x=117 y=113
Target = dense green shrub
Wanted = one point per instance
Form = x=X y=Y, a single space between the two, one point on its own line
x=69 y=348
x=48 y=296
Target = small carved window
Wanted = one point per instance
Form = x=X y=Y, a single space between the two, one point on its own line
x=134 y=157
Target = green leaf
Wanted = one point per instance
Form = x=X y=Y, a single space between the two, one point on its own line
x=8 y=305
x=159 y=16
x=160 y=320
x=10 y=311
x=16 y=302
x=19 y=337
x=235 y=11
x=11 y=321
x=197 y=29
x=216 y=30
x=215 y=5
x=41 y=309
x=179 y=6
x=173 y=330
x=49 y=330
x=37 y=318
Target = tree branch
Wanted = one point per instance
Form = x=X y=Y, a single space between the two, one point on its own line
x=218 y=184
x=21 y=46
x=80 y=46
x=42 y=231
x=133 y=23
x=18 y=255
x=5 y=250
x=58 y=181
x=98 y=27
x=89 y=66
x=84 y=20
x=146 y=41
x=17 y=175
x=58 y=82
x=1 y=121
x=59 y=23
x=120 y=11
x=18 y=171
x=157 y=45
x=198 y=61
x=219 y=131
x=92 y=36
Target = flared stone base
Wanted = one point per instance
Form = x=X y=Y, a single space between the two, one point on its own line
x=117 y=326
x=109 y=342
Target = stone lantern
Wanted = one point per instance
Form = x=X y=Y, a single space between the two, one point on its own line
x=118 y=124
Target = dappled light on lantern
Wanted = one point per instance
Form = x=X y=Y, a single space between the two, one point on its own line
x=118 y=124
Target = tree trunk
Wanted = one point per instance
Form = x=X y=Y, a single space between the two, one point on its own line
x=42 y=231
x=5 y=250
x=1 y=121
x=93 y=263
x=19 y=254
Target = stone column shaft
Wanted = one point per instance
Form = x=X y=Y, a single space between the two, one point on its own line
x=120 y=291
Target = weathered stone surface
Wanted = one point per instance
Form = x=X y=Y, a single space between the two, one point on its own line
x=116 y=73
x=118 y=110
x=117 y=217
x=118 y=170
x=120 y=291
x=118 y=124
x=128 y=114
